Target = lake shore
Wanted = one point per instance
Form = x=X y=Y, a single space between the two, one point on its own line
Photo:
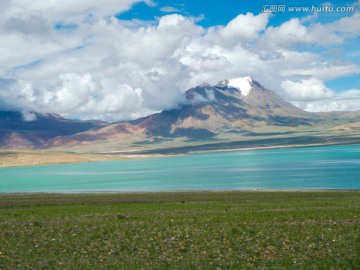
x=19 y=158
x=181 y=230
x=14 y=158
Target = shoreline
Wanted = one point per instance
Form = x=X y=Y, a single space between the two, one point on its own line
x=271 y=147
x=24 y=158
x=167 y=192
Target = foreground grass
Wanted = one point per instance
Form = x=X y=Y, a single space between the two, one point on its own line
x=194 y=230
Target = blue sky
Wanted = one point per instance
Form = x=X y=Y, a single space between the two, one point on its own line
x=123 y=59
x=220 y=12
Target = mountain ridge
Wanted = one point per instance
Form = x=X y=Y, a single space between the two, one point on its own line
x=232 y=110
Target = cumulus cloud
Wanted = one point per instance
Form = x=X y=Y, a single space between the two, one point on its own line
x=296 y=31
x=78 y=59
x=307 y=90
x=288 y=33
x=71 y=11
x=72 y=91
x=245 y=26
x=345 y=101
x=312 y=95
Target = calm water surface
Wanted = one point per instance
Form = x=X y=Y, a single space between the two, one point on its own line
x=327 y=167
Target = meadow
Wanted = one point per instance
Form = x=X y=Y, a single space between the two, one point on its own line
x=181 y=230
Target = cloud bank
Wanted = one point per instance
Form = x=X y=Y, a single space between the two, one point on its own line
x=77 y=59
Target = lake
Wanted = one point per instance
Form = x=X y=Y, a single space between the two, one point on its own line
x=325 y=167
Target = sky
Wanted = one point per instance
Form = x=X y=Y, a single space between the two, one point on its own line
x=122 y=59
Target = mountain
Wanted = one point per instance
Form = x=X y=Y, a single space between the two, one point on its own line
x=23 y=130
x=210 y=110
x=234 y=112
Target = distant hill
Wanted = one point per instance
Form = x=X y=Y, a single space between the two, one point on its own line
x=19 y=131
x=233 y=111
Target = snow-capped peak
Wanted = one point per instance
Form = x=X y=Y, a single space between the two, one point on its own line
x=243 y=84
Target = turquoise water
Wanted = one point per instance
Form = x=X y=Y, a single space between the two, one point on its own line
x=327 y=167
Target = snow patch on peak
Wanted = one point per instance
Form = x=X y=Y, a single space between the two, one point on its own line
x=243 y=84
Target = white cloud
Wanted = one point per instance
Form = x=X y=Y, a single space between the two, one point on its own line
x=28 y=116
x=289 y=32
x=208 y=97
x=115 y=102
x=306 y=90
x=347 y=25
x=245 y=26
x=95 y=66
x=170 y=20
x=312 y=95
x=78 y=95
x=71 y=92
x=72 y=11
x=169 y=9
x=325 y=70
x=25 y=23
x=294 y=32
x=345 y=101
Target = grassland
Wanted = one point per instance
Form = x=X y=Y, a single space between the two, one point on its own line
x=189 y=230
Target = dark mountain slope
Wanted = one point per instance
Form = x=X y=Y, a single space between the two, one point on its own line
x=18 y=133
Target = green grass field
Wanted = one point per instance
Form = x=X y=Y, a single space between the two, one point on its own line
x=189 y=230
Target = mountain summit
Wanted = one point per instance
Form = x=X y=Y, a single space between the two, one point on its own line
x=238 y=103
x=244 y=84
